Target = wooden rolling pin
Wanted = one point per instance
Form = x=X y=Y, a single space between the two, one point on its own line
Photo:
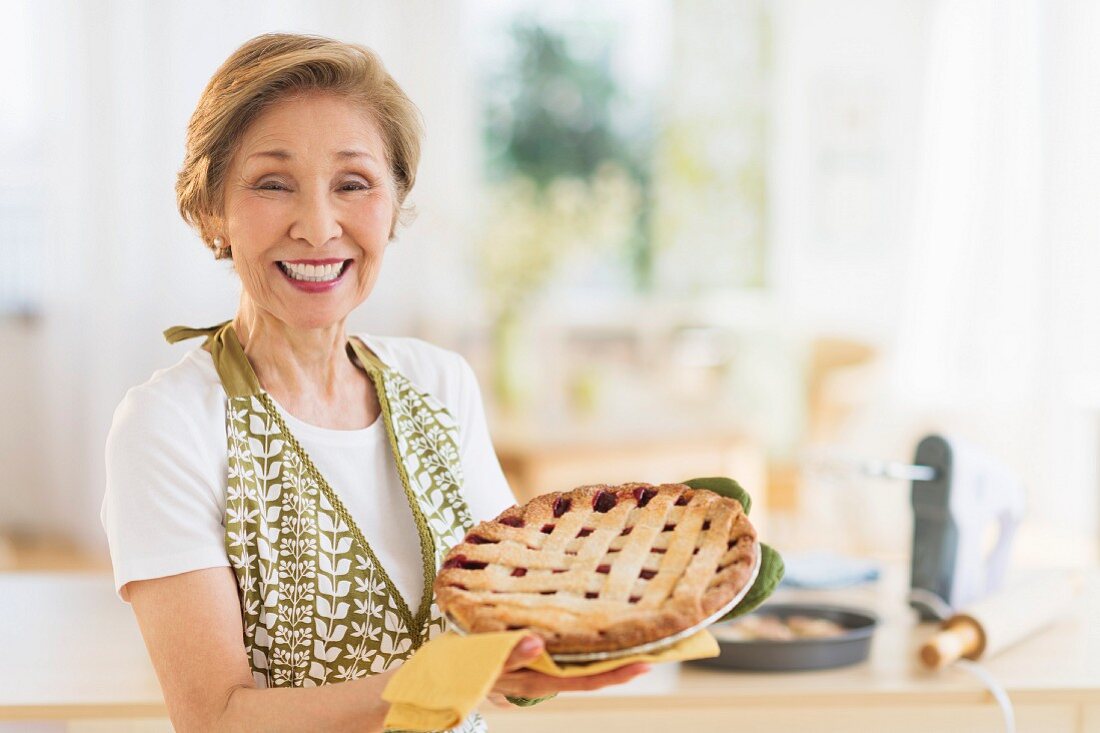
x=1001 y=619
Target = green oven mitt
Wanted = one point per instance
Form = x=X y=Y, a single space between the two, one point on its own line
x=771 y=564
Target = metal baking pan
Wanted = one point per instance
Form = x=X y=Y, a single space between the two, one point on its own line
x=659 y=644
x=763 y=655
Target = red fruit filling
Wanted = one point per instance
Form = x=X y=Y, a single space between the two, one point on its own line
x=455 y=562
x=461 y=561
x=605 y=501
x=561 y=506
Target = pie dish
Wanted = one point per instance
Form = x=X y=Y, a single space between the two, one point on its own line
x=602 y=568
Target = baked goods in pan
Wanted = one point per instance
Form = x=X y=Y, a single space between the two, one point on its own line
x=601 y=568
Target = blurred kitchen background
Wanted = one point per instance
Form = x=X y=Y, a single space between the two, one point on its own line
x=763 y=239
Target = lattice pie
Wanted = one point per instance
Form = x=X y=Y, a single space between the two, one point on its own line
x=600 y=568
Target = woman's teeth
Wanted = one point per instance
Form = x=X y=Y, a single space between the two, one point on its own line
x=313 y=273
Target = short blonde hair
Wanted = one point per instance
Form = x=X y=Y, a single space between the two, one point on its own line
x=269 y=68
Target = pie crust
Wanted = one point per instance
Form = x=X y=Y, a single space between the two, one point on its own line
x=600 y=568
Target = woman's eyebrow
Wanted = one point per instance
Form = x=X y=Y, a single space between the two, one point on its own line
x=355 y=154
x=280 y=154
x=277 y=154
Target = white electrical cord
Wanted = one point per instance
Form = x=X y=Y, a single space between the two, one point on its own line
x=995 y=689
x=935 y=605
x=942 y=611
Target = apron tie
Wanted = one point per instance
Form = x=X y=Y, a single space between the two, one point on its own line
x=237 y=375
x=175 y=334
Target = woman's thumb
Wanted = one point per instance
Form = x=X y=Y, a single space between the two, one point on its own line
x=528 y=648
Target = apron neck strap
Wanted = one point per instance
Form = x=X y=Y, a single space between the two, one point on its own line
x=238 y=377
x=367 y=358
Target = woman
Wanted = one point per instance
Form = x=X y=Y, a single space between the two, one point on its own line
x=275 y=497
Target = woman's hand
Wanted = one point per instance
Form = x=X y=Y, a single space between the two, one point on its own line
x=519 y=682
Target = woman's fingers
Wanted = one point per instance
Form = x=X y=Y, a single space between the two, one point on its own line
x=596 y=681
x=528 y=683
x=526 y=651
x=499 y=700
x=514 y=680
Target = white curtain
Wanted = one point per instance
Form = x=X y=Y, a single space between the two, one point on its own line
x=998 y=336
x=973 y=321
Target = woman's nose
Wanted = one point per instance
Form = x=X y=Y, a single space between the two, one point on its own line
x=316 y=220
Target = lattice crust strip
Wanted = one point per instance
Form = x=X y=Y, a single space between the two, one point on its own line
x=600 y=568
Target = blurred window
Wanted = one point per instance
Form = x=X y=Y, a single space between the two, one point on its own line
x=625 y=146
x=569 y=102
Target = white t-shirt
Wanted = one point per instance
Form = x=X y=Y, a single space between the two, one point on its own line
x=164 y=506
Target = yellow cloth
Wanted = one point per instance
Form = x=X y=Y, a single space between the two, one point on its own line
x=447 y=677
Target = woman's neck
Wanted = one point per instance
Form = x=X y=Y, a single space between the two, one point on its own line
x=308 y=363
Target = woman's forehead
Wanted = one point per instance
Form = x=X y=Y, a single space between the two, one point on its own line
x=317 y=127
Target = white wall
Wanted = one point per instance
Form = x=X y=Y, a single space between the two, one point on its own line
x=846 y=102
x=1072 y=238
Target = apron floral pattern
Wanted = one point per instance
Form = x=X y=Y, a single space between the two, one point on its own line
x=317 y=605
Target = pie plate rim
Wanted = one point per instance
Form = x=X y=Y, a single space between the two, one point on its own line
x=656 y=644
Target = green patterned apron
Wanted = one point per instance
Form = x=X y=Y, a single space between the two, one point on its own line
x=317 y=605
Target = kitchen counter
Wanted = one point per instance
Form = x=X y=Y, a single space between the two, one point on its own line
x=73 y=653
x=1053 y=679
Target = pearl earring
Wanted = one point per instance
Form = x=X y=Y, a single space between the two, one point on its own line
x=220 y=252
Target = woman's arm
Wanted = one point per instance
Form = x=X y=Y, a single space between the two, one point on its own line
x=191 y=624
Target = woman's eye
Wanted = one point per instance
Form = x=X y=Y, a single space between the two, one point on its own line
x=354 y=186
x=271 y=186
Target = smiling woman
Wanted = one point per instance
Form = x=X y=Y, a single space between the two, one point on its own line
x=279 y=501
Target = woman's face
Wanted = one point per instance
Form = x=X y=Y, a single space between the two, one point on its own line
x=309 y=206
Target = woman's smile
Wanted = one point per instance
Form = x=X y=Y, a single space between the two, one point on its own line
x=314 y=276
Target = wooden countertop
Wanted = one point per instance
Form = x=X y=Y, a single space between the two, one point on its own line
x=73 y=650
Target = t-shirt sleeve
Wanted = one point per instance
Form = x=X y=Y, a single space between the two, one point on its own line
x=486 y=489
x=160 y=509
